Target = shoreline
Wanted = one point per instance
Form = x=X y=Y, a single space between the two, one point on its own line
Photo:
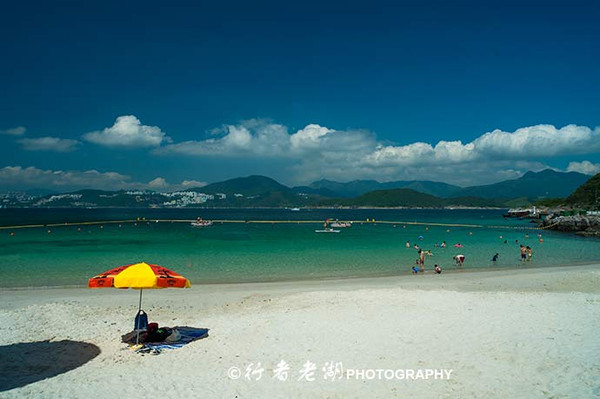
x=512 y=270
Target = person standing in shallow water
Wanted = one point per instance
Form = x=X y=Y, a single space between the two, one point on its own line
x=529 y=253
x=422 y=260
x=460 y=259
x=523 y=253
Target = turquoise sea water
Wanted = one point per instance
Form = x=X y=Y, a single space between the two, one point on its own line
x=244 y=252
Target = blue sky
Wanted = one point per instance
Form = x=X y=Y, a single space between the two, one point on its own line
x=170 y=95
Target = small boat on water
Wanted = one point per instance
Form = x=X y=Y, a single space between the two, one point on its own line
x=327 y=228
x=339 y=224
x=532 y=212
x=201 y=223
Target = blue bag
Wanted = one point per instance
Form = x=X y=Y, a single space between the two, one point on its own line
x=141 y=321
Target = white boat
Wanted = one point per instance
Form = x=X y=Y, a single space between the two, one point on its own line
x=329 y=230
x=201 y=223
x=532 y=212
x=294 y=209
x=339 y=224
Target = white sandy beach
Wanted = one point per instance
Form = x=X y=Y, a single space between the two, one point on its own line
x=500 y=334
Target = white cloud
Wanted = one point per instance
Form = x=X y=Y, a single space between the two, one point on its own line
x=316 y=151
x=49 y=144
x=15 y=131
x=128 y=131
x=17 y=177
x=401 y=155
x=251 y=138
x=193 y=183
x=31 y=177
x=585 y=167
x=539 y=141
x=309 y=137
x=158 y=184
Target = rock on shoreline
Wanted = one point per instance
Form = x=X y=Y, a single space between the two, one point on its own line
x=582 y=225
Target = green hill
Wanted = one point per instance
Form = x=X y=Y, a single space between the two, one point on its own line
x=247 y=186
x=255 y=191
x=397 y=197
x=587 y=195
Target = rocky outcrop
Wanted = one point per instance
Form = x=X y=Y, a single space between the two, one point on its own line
x=583 y=225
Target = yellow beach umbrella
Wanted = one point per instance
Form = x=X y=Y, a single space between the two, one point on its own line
x=139 y=275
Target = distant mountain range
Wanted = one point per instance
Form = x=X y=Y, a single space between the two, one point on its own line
x=545 y=184
x=405 y=197
x=532 y=185
x=261 y=191
x=359 y=187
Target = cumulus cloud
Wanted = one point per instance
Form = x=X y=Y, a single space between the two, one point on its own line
x=539 y=141
x=158 y=184
x=15 y=131
x=17 y=177
x=309 y=137
x=585 y=167
x=250 y=138
x=316 y=151
x=128 y=131
x=193 y=183
x=49 y=144
x=262 y=139
x=31 y=177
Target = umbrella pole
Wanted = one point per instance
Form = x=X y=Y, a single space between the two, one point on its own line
x=137 y=327
x=140 y=307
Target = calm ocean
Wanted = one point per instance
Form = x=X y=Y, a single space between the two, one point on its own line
x=244 y=252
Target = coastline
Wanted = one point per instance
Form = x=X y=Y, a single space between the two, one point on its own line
x=504 y=333
x=404 y=279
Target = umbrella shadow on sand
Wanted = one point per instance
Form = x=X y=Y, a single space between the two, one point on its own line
x=27 y=362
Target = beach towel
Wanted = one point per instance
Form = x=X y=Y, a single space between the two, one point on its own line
x=187 y=335
x=183 y=336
